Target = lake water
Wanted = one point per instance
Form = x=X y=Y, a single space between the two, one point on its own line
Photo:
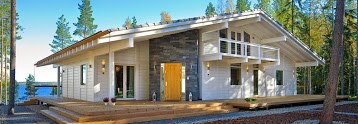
x=42 y=91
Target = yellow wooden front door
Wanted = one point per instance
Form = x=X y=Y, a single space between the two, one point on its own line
x=172 y=81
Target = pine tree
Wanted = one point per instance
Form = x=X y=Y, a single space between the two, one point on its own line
x=265 y=5
x=356 y=63
x=331 y=88
x=128 y=23
x=210 y=10
x=84 y=25
x=62 y=39
x=243 y=5
x=11 y=106
x=134 y=21
x=165 y=17
x=5 y=13
x=30 y=80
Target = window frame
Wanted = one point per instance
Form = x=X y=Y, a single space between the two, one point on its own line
x=277 y=77
x=238 y=80
x=83 y=78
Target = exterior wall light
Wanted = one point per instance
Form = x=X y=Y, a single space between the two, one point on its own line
x=103 y=66
x=208 y=68
x=247 y=68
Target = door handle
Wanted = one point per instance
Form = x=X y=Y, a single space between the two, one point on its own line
x=166 y=83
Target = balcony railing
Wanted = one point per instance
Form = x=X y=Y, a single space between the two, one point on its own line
x=234 y=48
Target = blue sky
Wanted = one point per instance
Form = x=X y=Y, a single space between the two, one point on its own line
x=39 y=17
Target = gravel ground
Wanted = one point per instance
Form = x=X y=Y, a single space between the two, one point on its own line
x=244 y=114
x=28 y=115
x=349 y=108
x=287 y=118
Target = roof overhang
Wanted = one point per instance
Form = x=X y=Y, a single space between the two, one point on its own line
x=147 y=30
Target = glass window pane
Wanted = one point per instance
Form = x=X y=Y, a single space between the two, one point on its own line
x=279 y=77
x=130 y=81
x=238 y=46
x=247 y=39
x=223 y=33
x=233 y=35
x=223 y=47
x=233 y=49
x=238 y=37
x=83 y=74
x=119 y=81
x=235 y=74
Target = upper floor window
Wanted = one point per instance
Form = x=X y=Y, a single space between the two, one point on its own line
x=83 y=74
x=223 y=33
x=279 y=77
x=235 y=74
x=238 y=37
x=233 y=35
x=246 y=37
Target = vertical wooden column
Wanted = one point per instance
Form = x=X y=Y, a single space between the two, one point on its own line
x=58 y=80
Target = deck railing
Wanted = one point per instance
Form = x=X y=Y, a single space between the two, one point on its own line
x=234 y=48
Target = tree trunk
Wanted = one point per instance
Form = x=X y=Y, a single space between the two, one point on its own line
x=342 y=72
x=357 y=56
x=336 y=52
x=309 y=81
x=1 y=62
x=11 y=107
x=292 y=21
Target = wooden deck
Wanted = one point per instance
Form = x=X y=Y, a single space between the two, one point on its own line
x=66 y=110
x=128 y=111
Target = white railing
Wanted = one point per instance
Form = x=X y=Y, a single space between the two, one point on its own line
x=241 y=49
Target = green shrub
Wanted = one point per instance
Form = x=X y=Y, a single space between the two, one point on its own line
x=354 y=98
x=250 y=99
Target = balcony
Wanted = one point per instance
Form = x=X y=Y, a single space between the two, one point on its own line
x=216 y=49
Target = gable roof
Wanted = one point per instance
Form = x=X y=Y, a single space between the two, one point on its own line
x=52 y=59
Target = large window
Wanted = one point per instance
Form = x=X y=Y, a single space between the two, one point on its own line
x=279 y=77
x=235 y=73
x=83 y=74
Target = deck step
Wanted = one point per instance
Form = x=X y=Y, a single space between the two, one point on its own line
x=83 y=118
x=57 y=117
x=163 y=117
x=67 y=113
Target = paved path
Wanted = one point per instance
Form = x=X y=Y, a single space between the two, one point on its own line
x=23 y=115
x=243 y=114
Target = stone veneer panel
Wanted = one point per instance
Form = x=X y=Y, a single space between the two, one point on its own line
x=176 y=48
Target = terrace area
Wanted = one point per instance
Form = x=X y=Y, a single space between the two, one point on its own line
x=66 y=110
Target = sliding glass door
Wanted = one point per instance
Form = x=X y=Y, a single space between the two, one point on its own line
x=124 y=85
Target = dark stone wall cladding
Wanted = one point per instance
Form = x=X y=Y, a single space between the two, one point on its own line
x=176 y=48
